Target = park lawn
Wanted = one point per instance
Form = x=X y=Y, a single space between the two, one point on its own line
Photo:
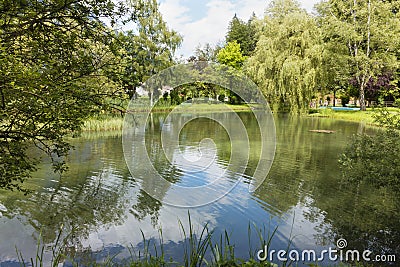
x=357 y=116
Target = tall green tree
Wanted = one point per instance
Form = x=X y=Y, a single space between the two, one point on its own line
x=59 y=64
x=232 y=57
x=366 y=34
x=286 y=61
x=281 y=8
x=205 y=53
x=243 y=33
x=149 y=48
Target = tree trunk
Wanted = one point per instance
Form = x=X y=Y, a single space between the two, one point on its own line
x=151 y=98
x=365 y=79
x=363 y=107
x=334 y=98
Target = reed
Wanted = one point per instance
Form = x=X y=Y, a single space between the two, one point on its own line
x=200 y=248
x=103 y=123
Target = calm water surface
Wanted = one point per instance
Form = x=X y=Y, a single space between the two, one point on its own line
x=101 y=207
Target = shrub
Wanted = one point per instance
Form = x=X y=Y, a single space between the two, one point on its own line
x=387 y=119
x=374 y=159
x=345 y=100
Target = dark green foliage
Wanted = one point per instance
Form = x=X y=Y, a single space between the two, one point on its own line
x=54 y=56
x=175 y=98
x=371 y=165
x=205 y=53
x=374 y=160
x=345 y=100
x=147 y=50
x=244 y=33
x=234 y=99
x=363 y=37
x=165 y=96
x=388 y=119
x=59 y=65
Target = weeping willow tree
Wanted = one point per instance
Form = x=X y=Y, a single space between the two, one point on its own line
x=287 y=56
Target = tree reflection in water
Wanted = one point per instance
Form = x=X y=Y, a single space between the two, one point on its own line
x=99 y=197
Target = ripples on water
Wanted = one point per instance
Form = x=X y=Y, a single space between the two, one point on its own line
x=102 y=203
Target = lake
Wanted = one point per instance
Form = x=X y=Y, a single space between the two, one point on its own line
x=103 y=210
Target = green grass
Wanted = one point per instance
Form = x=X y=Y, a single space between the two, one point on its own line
x=111 y=122
x=103 y=123
x=357 y=116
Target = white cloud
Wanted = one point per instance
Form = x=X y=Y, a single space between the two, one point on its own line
x=246 y=8
x=174 y=13
x=212 y=27
x=309 y=5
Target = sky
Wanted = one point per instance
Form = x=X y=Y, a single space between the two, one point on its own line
x=206 y=21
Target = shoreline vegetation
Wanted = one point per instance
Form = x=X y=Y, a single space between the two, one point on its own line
x=114 y=122
x=367 y=116
x=201 y=247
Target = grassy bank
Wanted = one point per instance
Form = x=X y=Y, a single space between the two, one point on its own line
x=110 y=122
x=356 y=116
x=103 y=123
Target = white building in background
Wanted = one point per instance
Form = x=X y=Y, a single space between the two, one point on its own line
x=142 y=92
x=165 y=89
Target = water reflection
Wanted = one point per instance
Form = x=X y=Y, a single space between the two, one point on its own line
x=105 y=207
x=189 y=159
x=93 y=194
